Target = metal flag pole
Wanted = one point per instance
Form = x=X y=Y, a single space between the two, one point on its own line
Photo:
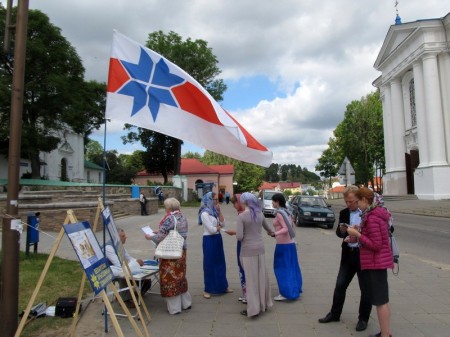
x=105 y=310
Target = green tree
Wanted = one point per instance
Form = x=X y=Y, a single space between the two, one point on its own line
x=248 y=176
x=56 y=96
x=93 y=150
x=329 y=161
x=192 y=155
x=272 y=173
x=198 y=60
x=360 y=136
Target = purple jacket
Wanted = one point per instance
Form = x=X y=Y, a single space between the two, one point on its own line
x=375 y=251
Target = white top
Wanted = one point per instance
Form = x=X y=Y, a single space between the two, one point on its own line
x=210 y=224
x=114 y=261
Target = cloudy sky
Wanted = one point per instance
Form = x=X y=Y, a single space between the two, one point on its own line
x=291 y=66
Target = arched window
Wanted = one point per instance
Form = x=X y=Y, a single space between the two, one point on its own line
x=412 y=103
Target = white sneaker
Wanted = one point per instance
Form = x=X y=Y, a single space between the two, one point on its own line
x=280 y=298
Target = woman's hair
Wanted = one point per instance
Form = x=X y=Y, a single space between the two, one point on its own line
x=279 y=197
x=364 y=192
x=235 y=198
x=172 y=203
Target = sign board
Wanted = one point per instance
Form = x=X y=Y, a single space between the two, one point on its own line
x=108 y=222
x=90 y=255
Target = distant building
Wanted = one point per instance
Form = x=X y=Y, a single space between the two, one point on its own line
x=66 y=162
x=221 y=177
x=414 y=62
x=282 y=186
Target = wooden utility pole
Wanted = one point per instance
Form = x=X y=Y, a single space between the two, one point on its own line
x=11 y=236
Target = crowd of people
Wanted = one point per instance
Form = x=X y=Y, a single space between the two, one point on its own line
x=363 y=228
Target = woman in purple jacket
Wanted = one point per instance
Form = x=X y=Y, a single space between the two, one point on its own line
x=375 y=255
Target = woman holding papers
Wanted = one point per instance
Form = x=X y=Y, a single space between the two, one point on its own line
x=172 y=273
x=248 y=231
x=214 y=265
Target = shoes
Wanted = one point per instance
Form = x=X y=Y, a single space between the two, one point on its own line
x=229 y=290
x=378 y=335
x=361 y=325
x=244 y=313
x=207 y=295
x=242 y=299
x=329 y=318
x=280 y=298
x=188 y=308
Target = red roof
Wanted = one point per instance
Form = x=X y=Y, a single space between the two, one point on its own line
x=268 y=186
x=337 y=189
x=194 y=166
x=223 y=169
x=284 y=185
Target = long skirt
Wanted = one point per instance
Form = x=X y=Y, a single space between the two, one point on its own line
x=172 y=276
x=214 y=266
x=241 y=270
x=287 y=270
x=259 y=295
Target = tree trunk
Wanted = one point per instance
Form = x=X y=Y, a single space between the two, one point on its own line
x=35 y=166
x=177 y=158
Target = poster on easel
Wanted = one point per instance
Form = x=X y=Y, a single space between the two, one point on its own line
x=90 y=255
x=108 y=222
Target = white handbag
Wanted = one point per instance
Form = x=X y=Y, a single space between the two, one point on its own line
x=171 y=247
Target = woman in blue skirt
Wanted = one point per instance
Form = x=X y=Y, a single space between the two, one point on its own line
x=285 y=263
x=214 y=265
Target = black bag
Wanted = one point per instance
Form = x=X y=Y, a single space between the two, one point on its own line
x=65 y=307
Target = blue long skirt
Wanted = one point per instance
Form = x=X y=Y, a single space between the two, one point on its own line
x=214 y=266
x=287 y=270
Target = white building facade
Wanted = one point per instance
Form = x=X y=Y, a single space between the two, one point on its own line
x=414 y=62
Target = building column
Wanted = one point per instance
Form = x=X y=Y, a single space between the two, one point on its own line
x=420 y=113
x=398 y=125
x=444 y=66
x=433 y=106
x=387 y=127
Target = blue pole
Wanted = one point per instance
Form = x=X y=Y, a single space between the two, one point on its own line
x=104 y=205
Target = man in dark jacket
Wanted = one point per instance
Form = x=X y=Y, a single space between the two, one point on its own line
x=350 y=264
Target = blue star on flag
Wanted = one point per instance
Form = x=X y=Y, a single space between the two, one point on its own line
x=147 y=89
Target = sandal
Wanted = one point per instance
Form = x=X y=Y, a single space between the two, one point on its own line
x=207 y=296
x=229 y=290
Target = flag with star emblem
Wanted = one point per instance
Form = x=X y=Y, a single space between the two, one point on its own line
x=146 y=90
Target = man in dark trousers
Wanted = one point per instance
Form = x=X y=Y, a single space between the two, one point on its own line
x=350 y=264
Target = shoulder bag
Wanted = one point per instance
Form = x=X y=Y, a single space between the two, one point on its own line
x=171 y=247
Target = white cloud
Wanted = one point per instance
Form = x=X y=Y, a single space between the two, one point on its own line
x=327 y=47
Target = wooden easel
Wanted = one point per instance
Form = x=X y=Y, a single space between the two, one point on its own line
x=131 y=282
x=71 y=219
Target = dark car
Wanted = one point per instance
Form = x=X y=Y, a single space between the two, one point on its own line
x=312 y=211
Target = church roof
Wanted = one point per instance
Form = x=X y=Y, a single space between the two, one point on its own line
x=90 y=165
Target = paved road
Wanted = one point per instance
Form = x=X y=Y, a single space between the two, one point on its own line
x=420 y=294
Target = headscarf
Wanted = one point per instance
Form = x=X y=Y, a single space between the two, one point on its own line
x=378 y=201
x=240 y=208
x=252 y=203
x=208 y=206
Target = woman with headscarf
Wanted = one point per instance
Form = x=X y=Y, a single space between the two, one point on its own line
x=239 y=208
x=214 y=265
x=285 y=261
x=172 y=273
x=248 y=231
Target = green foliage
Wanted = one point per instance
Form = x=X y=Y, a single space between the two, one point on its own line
x=359 y=137
x=197 y=59
x=63 y=279
x=56 y=97
x=248 y=176
x=192 y=155
x=289 y=172
x=93 y=151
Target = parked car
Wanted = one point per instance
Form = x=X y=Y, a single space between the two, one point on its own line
x=265 y=199
x=309 y=210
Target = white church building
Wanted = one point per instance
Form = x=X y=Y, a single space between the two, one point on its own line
x=414 y=62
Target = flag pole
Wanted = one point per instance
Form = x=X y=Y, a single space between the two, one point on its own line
x=105 y=310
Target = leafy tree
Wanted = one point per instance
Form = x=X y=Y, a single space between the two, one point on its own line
x=272 y=173
x=360 y=136
x=328 y=163
x=93 y=150
x=248 y=176
x=192 y=155
x=198 y=60
x=56 y=97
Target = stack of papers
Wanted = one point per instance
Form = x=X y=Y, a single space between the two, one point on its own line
x=148 y=231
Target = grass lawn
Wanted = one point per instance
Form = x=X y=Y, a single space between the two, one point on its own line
x=62 y=280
